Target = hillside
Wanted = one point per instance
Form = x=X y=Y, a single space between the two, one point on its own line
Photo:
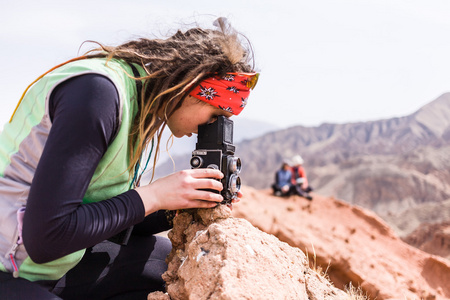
x=351 y=243
x=410 y=220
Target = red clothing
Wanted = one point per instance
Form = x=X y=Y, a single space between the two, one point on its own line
x=299 y=172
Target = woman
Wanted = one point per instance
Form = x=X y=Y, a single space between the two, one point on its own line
x=70 y=163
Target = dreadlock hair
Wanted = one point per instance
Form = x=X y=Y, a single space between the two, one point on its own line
x=174 y=66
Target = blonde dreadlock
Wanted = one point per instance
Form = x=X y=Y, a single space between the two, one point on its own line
x=174 y=66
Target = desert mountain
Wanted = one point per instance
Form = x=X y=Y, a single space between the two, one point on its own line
x=428 y=213
x=389 y=166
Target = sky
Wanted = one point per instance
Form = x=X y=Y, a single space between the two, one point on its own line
x=321 y=61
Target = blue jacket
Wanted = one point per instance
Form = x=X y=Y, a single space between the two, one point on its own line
x=283 y=177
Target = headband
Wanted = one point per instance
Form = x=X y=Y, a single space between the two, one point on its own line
x=229 y=92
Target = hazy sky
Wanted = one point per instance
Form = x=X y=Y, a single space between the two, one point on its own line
x=320 y=61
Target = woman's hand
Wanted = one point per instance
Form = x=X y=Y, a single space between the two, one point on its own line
x=235 y=200
x=181 y=190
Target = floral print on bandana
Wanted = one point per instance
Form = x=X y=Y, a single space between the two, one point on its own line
x=229 y=92
x=208 y=93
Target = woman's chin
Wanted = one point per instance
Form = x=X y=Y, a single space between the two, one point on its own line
x=178 y=135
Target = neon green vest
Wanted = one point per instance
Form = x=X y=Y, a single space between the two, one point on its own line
x=31 y=124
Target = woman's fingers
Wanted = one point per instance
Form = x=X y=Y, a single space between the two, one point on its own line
x=185 y=189
x=208 y=184
x=207 y=196
x=203 y=179
x=206 y=173
x=204 y=204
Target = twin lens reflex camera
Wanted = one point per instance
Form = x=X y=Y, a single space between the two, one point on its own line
x=215 y=150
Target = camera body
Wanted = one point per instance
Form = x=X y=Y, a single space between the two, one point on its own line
x=215 y=149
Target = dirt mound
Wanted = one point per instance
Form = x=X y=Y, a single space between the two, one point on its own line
x=352 y=244
x=216 y=256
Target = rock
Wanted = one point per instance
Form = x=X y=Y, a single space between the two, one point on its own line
x=216 y=256
x=158 y=296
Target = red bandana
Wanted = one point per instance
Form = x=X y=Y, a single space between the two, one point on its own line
x=229 y=92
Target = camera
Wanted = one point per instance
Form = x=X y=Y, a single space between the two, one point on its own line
x=215 y=149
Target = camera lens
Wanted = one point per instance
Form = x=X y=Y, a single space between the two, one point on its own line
x=196 y=162
x=234 y=184
x=234 y=165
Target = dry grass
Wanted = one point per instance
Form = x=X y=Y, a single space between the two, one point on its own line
x=354 y=293
x=313 y=264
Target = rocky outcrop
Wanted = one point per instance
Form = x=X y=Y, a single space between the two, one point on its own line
x=354 y=245
x=216 y=256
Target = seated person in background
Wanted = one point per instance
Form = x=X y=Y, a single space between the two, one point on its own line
x=283 y=185
x=299 y=179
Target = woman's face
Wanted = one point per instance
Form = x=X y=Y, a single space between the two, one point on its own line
x=193 y=112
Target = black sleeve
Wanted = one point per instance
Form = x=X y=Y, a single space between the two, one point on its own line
x=84 y=112
x=153 y=223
